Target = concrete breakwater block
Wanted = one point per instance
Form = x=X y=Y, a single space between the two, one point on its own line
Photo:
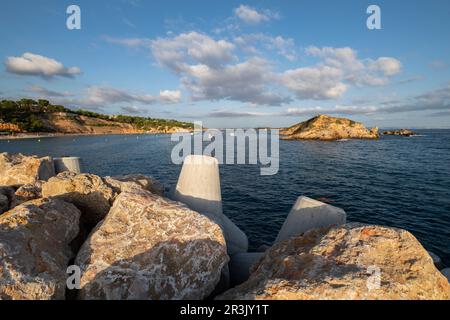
x=307 y=214
x=240 y=264
x=198 y=187
x=446 y=273
x=436 y=260
x=72 y=164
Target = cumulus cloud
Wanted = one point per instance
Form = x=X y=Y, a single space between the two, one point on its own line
x=192 y=46
x=250 y=43
x=207 y=69
x=246 y=82
x=37 y=65
x=321 y=82
x=336 y=70
x=354 y=70
x=253 y=16
x=237 y=69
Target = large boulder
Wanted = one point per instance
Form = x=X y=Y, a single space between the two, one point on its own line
x=87 y=192
x=34 y=249
x=121 y=182
x=17 y=169
x=149 y=247
x=26 y=193
x=353 y=261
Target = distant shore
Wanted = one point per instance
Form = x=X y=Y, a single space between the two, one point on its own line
x=21 y=136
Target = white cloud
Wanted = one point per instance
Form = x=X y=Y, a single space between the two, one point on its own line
x=173 y=52
x=101 y=96
x=170 y=96
x=206 y=69
x=251 y=43
x=246 y=82
x=354 y=70
x=215 y=69
x=322 y=82
x=37 y=65
x=388 y=66
x=252 y=16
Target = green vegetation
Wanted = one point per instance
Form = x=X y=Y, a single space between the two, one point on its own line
x=30 y=116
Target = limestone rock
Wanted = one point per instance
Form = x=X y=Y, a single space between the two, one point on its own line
x=149 y=247
x=401 y=132
x=34 y=249
x=145 y=182
x=87 y=192
x=325 y=127
x=26 y=193
x=17 y=169
x=342 y=263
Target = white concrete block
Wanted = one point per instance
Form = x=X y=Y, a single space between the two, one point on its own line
x=307 y=214
x=198 y=187
x=240 y=264
x=446 y=273
x=436 y=260
x=71 y=164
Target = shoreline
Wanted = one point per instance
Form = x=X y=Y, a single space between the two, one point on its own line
x=59 y=135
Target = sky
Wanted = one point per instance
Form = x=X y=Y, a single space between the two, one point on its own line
x=233 y=63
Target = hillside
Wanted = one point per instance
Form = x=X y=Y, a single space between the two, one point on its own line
x=325 y=127
x=29 y=116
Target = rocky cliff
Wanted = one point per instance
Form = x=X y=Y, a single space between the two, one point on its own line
x=325 y=127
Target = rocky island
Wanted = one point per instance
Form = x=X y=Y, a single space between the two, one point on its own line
x=323 y=127
x=401 y=132
x=131 y=241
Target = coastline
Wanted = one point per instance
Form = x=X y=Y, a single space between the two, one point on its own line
x=23 y=136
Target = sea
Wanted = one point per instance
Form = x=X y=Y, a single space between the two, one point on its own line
x=395 y=181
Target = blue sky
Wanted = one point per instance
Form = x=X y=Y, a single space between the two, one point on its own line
x=233 y=63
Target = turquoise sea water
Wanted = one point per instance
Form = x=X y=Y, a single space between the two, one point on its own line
x=395 y=181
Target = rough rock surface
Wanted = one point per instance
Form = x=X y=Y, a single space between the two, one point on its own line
x=4 y=203
x=401 y=132
x=26 y=193
x=149 y=247
x=34 y=249
x=17 y=169
x=6 y=194
x=119 y=183
x=324 y=127
x=87 y=192
x=341 y=263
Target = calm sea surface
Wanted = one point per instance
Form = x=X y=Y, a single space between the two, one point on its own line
x=395 y=181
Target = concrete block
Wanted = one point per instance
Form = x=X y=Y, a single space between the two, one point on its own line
x=436 y=260
x=240 y=264
x=446 y=273
x=307 y=214
x=198 y=187
x=71 y=164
